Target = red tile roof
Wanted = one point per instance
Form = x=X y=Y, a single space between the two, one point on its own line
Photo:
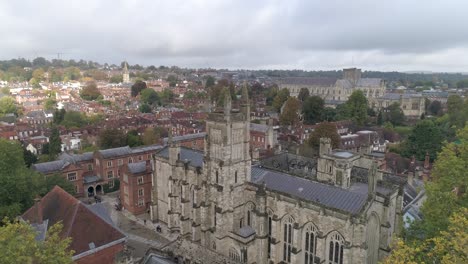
x=79 y=222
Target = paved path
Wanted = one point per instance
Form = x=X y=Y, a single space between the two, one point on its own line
x=134 y=227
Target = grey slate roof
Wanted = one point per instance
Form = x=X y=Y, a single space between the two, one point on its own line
x=51 y=166
x=115 y=152
x=246 y=231
x=327 y=195
x=90 y=179
x=100 y=210
x=146 y=148
x=186 y=137
x=157 y=259
x=74 y=158
x=137 y=167
x=396 y=96
x=369 y=82
x=317 y=81
x=194 y=157
x=258 y=127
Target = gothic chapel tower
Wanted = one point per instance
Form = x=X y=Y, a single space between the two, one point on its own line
x=227 y=167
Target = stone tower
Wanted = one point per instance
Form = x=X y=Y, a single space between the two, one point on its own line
x=126 y=75
x=352 y=74
x=227 y=167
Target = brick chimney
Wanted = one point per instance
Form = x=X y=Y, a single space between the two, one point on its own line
x=37 y=208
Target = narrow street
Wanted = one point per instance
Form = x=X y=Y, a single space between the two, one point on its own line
x=141 y=237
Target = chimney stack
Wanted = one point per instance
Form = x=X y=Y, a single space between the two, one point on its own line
x=37 y=207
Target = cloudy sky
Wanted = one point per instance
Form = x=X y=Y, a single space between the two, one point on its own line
x=402 y=35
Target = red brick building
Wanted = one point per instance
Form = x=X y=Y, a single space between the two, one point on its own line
x=94 y=237
x=89 y=172
x=135 y=187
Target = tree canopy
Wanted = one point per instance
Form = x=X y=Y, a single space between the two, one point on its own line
x=312 y=108
x=447 y=247
x=280 y=99
x=324 y=130
x=149 y=96
x=303 y=94
x=7 y=105
x=394 y=114
x=137 y=87
x=357 y=107
x=424 y=138
x=19 y=245
x=290 y=114
x=112 y=138
x=90 y=92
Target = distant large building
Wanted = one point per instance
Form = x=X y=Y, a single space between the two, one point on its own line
x=335 y=90
x=412 y=105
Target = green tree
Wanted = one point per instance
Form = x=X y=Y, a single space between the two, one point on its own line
x=90 y=92
x=19 y=245
x=435 y=108
x=312 y=108
x=50 y=181
x=38 y=74
x=149 y=96
x=357 y=106
x=59 y=115
x=380 y=119
x=151 y=136
x=19 y=184
x=7 y=105
x=133 y=139
x=112 y=138
x=424 y=138
x=303 y=94
x=172 y=79
x=329 y=114
x=457 y=111
x=144 y=108
x=73 y=119
x=166 y=96
x=394 y=114
x=446 y=247
x=324 y=130
x=210 y=81
x=137 y=87
x=116 y=79
x=280 y=99
x=29 y=157
x=446 y=193
x=290 y=114
x=55 y=143
x=50 y=104
x=72 y=73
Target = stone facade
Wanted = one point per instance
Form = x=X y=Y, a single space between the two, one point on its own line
x=412 y=105
x=227 y=211
x=333 y=90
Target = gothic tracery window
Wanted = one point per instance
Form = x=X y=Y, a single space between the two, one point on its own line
x=287 y=239
x=310 y=245
x=335 y=249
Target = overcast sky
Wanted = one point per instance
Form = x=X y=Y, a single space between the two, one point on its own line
x=402 y=35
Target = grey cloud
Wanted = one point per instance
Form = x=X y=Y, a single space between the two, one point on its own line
x=387 y=35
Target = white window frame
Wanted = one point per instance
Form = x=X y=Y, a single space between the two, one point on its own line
x=75 y=176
